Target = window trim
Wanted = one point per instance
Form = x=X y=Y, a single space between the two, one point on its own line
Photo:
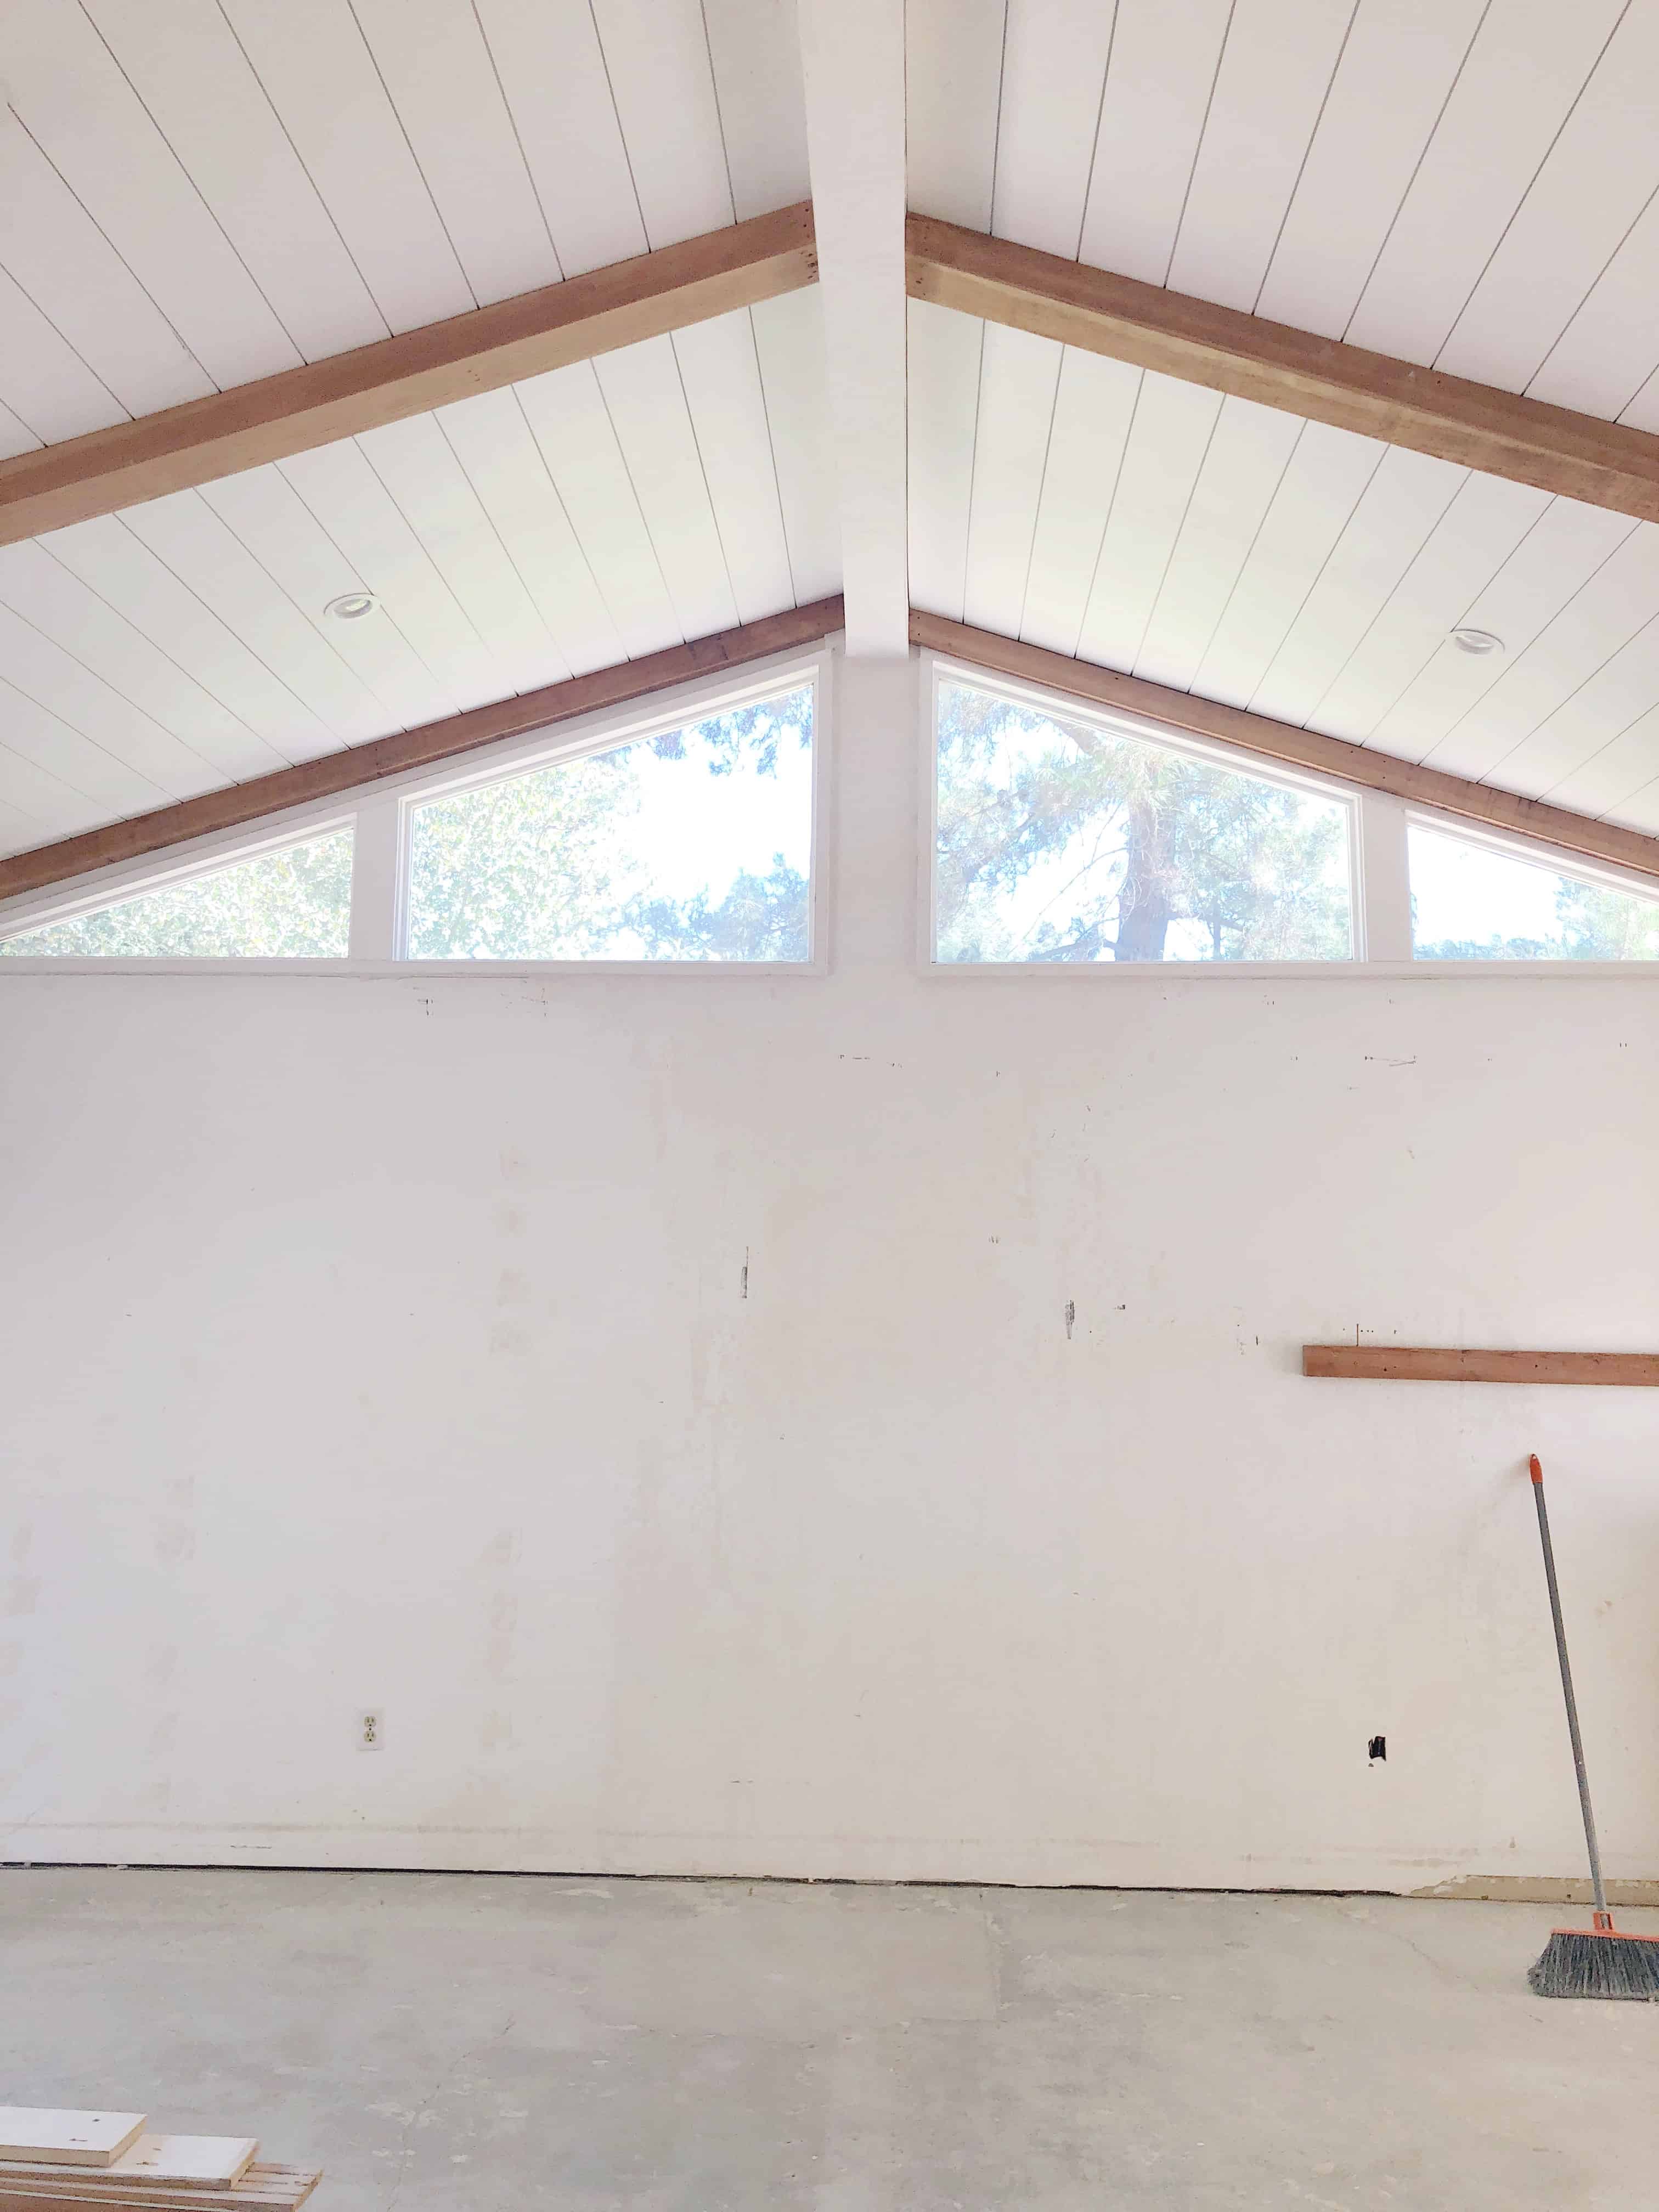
x=389 y=802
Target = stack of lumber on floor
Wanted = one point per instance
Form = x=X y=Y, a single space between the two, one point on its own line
x=52 y=2162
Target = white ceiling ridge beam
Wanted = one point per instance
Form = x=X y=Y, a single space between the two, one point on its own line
x=853 y=63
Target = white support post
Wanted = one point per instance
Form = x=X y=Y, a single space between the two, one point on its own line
x=1385 y=885
x=376 y=853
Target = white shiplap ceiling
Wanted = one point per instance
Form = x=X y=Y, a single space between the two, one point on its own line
x=194 y=193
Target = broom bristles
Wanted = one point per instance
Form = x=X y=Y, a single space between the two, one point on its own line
x=1589 y=1963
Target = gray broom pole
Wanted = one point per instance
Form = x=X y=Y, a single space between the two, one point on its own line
x=1603 y=1919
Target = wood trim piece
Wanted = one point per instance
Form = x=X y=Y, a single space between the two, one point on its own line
x=1185 y=712
x=395 y=377
x=1577 y=456
x=362 y=765
x=1411 y=1363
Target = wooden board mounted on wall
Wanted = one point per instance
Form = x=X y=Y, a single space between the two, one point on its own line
x=1416 y=1362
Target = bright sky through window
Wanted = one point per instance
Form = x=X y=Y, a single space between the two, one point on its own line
x=1471 y=901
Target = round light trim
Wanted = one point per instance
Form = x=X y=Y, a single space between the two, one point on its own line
x=1476 y=641
x=352 y=606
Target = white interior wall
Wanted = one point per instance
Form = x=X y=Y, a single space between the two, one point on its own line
x=382 y=1343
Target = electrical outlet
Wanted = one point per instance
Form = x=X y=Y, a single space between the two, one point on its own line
x=371 y=1730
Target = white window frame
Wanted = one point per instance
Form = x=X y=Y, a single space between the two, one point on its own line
x=1379 y=871
x=379 y=815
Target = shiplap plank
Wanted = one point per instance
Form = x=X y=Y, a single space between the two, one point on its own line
x=418 y=466
x=571 y=425
x=48 y=805
x=720 y=374
x=789 y=339
x=944 y=353
x=18 y=831
x=38 y=586
x=434 y=62
x=320 y=78
x=762 y=104
x=1616 y=773
x=953 y=89
x=43 y=380
x=1247 y=459
x=1477 y=534
x=1054 y=73
x=79 y=107
x=39 y=735
x=1400 y=62
x=1402 y=503
x=1602 y=363
x=1641 y=810
x=186 y=66
x=1166 y=54
x=15 y=436
x=1600 y=175
x=657 y=56
x=362 y=519
x=1173 y=426
x=51 y=674
x=1523 y=72
x=1596 y=622
x=552 y=72
x=1552 y=562
x=273 y=522
x=647 y=403
x=330 y=706
x=1018 y=374
x=111 y=561
x=1624 y=689
x=1275 y=71
x=1094 y=407
x=1323 y=483
x=491 y=440
x=53 y=248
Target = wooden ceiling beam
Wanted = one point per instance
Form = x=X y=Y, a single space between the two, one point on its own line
x=1186 y=714
x=396 y=377
x=1575 y=456
x=359 y=766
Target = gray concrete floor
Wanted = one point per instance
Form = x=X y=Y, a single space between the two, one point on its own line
x=479 y=2042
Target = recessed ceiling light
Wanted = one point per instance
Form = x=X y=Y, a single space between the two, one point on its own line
x=352 y=606
x=1476 y=641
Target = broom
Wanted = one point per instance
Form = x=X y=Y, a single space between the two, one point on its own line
x=1595 y=1961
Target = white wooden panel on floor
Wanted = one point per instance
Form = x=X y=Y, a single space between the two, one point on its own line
x=434 y=62
x=53 y=249
x=1602 y=362
x=1400 y=62
x=375 y=539
x=38 y=586
x=945 y=355
x=720 y=376
x=43 y=803
x=568 y=418
x=491 y=440
x=285 y=537
x=1054 y=73
x=1552 y=562
x=111 y=561
x=789 y=339
x=646 y=402
x=416 y=464
x=1275 y=71
x=762 y=105
x=1164 y=58
x=188 y=69
x=51 y=675
x=1401 y=505
x=1246 y=459
x=1616 y=773
x=656 y=53
x=321 y=79
x=1523 y=75
x=1173 y=426
x=200 y=2159
x=1595 y=624
x=952 y=88
x=552 y=72
x=1018 y=374
x=45 y=739
x=51 y=2136
x=1624 y=689
x=1094 y=407
x=78 y=106
x=1324 y=481
x=43 y=380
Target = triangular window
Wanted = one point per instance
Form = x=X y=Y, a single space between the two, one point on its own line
x=1473 y=901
